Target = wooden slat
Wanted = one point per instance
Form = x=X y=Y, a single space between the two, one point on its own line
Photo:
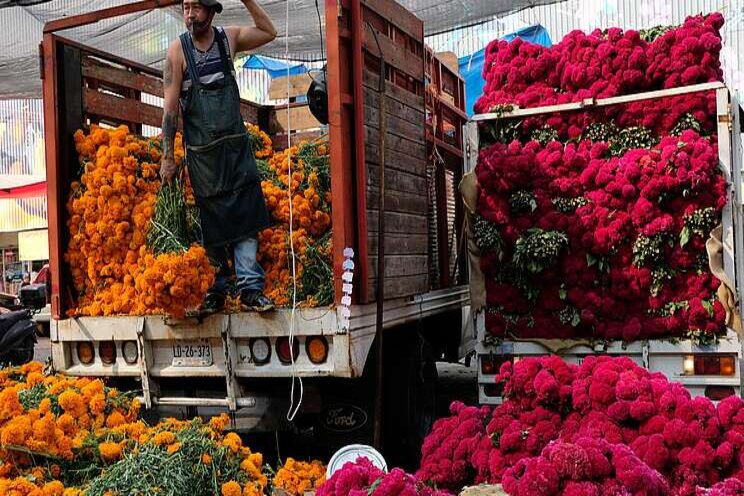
x=300 y=118
x=392 y=142
x=405 y=111
x=118 y=109
x=399 y=16
x=395 y=55
x=298 y=86
x=396 y=222
x=402 y=265
x=401 y=244
x=396 y=160
x=401 y=286
x=121 y=77
x=371 y=81
x=396 y=201
x=396 y=180
x=396 y=125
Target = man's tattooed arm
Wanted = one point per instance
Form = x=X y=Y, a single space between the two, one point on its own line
x=172 y=78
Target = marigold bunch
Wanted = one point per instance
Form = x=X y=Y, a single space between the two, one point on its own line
x=311 y=222
x=111 y=209
x=297 y=477
x=64 y=436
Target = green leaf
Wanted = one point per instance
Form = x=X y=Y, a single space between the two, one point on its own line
x=576 y=320
x=374 y=486
x=562 y=293
x=709 y=307
x=684 y=237
x=591 y=260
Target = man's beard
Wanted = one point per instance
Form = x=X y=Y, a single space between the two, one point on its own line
x=197 y=27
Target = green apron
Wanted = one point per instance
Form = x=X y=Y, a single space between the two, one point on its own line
x=219 y=156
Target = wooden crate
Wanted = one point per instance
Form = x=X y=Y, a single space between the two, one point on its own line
x=295 y=123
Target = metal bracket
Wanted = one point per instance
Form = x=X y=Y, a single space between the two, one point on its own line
x=144 y=359
x=228 y=345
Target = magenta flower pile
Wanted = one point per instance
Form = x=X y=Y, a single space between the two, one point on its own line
x=607 y=426
x=593 y=224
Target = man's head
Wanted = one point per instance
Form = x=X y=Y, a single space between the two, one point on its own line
x=198 y=14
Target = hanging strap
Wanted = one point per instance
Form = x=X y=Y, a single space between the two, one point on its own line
x=188 y=51
x=220 y=37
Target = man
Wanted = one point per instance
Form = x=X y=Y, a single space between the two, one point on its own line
x=199 y=74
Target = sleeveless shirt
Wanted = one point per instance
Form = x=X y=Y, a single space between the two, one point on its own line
x=209 y=63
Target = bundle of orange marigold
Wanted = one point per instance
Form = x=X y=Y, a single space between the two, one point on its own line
x=298 y=477
x=72 y=437
x=311 y=221
x=110 y=212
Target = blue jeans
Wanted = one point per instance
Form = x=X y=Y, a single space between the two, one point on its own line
x=249 y=273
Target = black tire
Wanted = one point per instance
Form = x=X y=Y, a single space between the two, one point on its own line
x=25 y=353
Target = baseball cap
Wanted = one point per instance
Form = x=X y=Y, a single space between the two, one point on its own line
x=212 y=3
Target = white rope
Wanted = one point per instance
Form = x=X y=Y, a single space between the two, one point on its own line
x=293 y=409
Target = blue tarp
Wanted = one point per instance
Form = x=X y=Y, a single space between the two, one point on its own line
x=275 y=67
x=471 y=66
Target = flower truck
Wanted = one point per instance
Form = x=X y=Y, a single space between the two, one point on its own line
x=126 y=265
x=605 y=205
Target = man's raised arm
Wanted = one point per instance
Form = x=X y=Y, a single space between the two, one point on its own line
x=245 y=38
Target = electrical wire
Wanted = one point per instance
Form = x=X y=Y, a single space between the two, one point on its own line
x=294 y=409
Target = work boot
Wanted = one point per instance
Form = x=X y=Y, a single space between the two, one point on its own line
x=255 y=301
x=213 y=303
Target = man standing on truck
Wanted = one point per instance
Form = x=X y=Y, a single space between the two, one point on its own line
x=199 y=75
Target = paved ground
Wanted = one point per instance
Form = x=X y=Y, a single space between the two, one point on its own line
x=457 y=382
x=42 y=350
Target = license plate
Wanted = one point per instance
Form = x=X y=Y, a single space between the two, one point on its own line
x=192 y=353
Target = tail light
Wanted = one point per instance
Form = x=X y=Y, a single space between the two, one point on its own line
x=707 y=364
x=85 y=352
x=107 y=352
x=317 y=349
x=283 y=351
x=718 y=393
x=260 y=351
x=491 y=364
x=129 y=352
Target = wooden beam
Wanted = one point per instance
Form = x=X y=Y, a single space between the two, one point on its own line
x=98 y=15
x=398 y=16
x=121 y=77
x=395 y=55
x=605 y=102
x=120 y=109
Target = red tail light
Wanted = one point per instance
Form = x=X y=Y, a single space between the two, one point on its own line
x=282 y=350
x=107 y=352
x=490 y=364
x=707 y=364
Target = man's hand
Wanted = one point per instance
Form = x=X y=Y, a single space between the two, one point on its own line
x=168 y=170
